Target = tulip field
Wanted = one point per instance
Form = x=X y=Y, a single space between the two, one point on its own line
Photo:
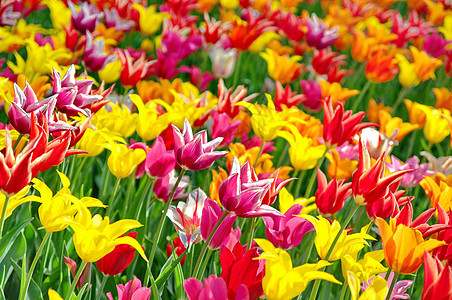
x=225 y=149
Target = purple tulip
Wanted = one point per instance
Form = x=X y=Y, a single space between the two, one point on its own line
x=412 y=178
x=193 y=152
x=164 y=185
x=112 y=19
x=186 y=217
x=313 y=94
x=319 y=35
x=94 y=57
x=159 y=161
x=214 y=289
x=73 y=96
x=26 y=102
x=86 y=18
x=223 y=127
x=242 y=193
x=210 y=216
x=435 y=45
x=287 y=232
x=132 y=290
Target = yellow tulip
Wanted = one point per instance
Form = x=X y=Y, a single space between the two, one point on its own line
x=327 y=232
x=14 y=201
x=95 y=237
x=365 y=268
x=282 y=68
x=303 y=154
x=60 y=14
x=286 y=201
x=149 y=123
x=119 y=120
x=424 y=65
x=53 y=295
x=265 y=120
x=150 y=20
x=110 y=73
x=56 y=210
x=260 y=43
x=389 y=124
x=377 y=290
x=407 y=75
x=283 y=281
x=436 y=127
x=122 y=160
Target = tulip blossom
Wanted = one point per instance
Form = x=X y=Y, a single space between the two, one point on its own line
x=223 y=61
x=437 y=279
x=132 y=70
x=287 y=232
x=150 y=20
x=224 y=127
x=164 y=185
x=389 y=205
x=55 y=210
x=436 y=127
x=319 y=35
x=241 y=267
x=403 y=246
x=211 y=214
x=424 y=65
x=241 y=193
x=159 y=161
x=214 y=288
x=326 y=234
x=72 y=266
x=377 y=289
x=94 y=56
x=313 y=94
x=364 y=269
x=132 y=290
x=282 y=281
x=302 y=153
x=227 y=99
x=14 y=201
x=412 y=179
x=179 y=248
x=339 y=126
x=86 y=18
x=149 y=122
x=286 y=201
x=122 y=160
x=439 y=194
x=194 y=152
x=330 y=196
x=394 y=125
x=265 y=120
x=381 y=67
x=186 y=217
x=282 y=68
x=88 y=231
x=369 y=183
x=285 y=97
x=118 y=260
x=276 y=186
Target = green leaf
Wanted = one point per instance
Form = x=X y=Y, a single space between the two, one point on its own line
x=179 y=279
x=7 y=240
x=154 y=289
x=34 y=292
x=168 y=270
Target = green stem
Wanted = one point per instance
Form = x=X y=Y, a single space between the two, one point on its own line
x=294 y=175
x=76 y=279
x=315 y=289
x=206 y=261
x=75 y=177
x=130 y=188
x=3 y=217
x=102 y=285
x=112 y=198
x=106 y=181
x=361 y=95
x=206 y=244
x=400 y=97
x=313 y=177
x=343 y=290
x=411 y=144
x=394 y=280
x=282 y=155
x=19 y=138
x=250 y=239
x=23 y=293
x=388 y=273
x=160 y=226
x=259 y=153
x=237 y=69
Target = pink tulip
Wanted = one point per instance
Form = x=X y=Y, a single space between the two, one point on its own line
x=132 y=291
x=211 y=214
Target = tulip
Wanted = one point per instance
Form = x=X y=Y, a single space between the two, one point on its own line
x=122 y=160
x=335 y=91
x=377 y=289
x=86 y=273
x=362 y=46
x=287 y=232
x=368 y=182
x=88 y=231
x=286 y=201
x=313 y=94
x=339 y=126
x=193 y=152
x=407 y=75
x=363 y=269
x=241 y=193
x=223 y=60
x=241 y=267
x=164 y=185
x=211 y=215
x=412 y=179
x=227 y=99
x=282 y=68
x=326 y=234
x=436 y=127
x=132 y=290
x=186 y=217
x=381 y=67
x=340 y=168
x=214 y=288
x=223 y=127
x=118 y=260
x=437 y=279
x=330 y=196
x=302 y=153
x=403 y=246
x=111 y=71
x=56 y=210
x=284 y=97
x=149 y=20
x=94 y=57
x=86 y=18
x=283 y=281
x=159 y=161
x=319 y=35
x=132 y=70
x=424 y=66
x=179 y=248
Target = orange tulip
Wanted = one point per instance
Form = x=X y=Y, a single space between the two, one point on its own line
x=404 y=246
x=390 y=124
x=374 y=109
x=416 y=112
x=443 y=98
x=381 y=67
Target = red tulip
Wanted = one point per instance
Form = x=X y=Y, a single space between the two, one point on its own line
x=118 y=260
x=437 y=279
x=330 y=196
x=179 y=249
